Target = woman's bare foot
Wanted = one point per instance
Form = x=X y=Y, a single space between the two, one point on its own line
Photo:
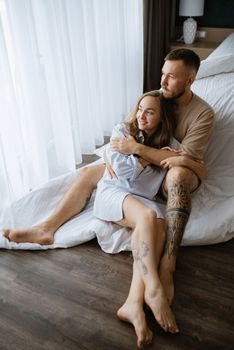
x=36 y=234
x=134 y=314
x=157 y=301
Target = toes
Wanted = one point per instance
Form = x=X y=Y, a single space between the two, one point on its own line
x=149 y=338
x=163 y=324
x=146 y=339
x=140 y=344
x=172 y=327
x=6 y=233
x=168 y=323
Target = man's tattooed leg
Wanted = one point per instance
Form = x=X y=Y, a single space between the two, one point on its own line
x=177 y=214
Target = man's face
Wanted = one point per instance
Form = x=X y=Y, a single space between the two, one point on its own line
x=176 y=77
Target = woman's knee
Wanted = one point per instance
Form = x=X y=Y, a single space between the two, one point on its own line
x=85 y=172
x=91 y=175
x=147 y=217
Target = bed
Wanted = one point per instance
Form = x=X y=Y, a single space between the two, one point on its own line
x=212 y=218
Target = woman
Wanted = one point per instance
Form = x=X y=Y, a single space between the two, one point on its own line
x=128 y=201
x=155 y=127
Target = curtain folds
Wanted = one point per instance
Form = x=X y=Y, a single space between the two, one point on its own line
x=157 y=23
x=70 y=70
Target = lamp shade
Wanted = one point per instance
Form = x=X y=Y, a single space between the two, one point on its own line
x=191 y=8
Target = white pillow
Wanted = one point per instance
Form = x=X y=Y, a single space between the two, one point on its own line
x=101 y=151
x=216 y=65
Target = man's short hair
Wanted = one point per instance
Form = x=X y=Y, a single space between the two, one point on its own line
x=189 y=57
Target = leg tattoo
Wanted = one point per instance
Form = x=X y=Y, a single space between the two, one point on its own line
x=177 y=214
x=140 y=253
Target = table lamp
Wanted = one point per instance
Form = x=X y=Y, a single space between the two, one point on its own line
x=190 y=8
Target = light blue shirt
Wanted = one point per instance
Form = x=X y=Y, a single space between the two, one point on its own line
x=131 y=175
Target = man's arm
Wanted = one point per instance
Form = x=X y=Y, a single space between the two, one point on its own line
x=130 y=146
x=165 y=157
x=196 y=166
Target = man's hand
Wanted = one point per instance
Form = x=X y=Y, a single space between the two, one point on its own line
x=109 y=168
x=179 y=151
x=197 y=166
x=172 y=161
x=126 y=146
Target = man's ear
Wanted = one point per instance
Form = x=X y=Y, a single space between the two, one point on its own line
x=191 y=78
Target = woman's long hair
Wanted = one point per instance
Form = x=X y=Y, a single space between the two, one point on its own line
x=165 y=130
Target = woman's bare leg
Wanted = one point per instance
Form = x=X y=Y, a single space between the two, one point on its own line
x=132 y=310
x=147 y=245
x=72 y=204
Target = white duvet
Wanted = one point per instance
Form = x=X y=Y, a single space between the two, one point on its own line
x=212 y=217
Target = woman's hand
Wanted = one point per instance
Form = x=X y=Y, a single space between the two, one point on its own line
x=125 y=146
x=109 y=168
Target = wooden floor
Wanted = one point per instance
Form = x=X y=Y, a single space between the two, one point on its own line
x=66 y=299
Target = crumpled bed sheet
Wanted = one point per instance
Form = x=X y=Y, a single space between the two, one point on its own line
x=212 y=217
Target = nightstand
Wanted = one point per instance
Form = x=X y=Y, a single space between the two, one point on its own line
x=202 y=48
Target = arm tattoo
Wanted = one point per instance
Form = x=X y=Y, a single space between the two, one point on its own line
x=177 y=214
x=140 y=253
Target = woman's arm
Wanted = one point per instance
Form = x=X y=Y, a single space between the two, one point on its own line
x=122 y=165
x=196 y=166
x=128 y=145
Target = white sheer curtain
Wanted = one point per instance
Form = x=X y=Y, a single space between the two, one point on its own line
x=70 y=70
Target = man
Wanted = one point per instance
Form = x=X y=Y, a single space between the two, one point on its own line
x=194 y=127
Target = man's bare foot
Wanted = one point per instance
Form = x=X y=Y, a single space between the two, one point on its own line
x=35 y=234
x=166 y=271
x=134 y=314
x=157 y=301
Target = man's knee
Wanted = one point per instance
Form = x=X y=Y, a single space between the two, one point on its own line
x=183 y=176
x=177 y=173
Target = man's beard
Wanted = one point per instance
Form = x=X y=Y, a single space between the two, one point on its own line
x=181 y=93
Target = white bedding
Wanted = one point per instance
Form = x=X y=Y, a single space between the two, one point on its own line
x=212 y=218
x=226 y=47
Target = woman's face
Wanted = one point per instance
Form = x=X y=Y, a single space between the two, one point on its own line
x=148 y=114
